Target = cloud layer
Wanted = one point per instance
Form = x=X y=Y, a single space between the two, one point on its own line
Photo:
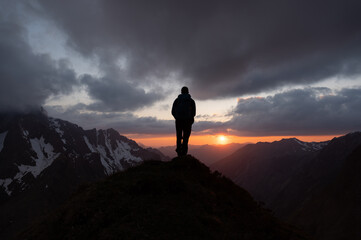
x=28 y=79
x=116 y=95
x=222 y=48
x=125 y=123
x=217 y=48
x=310 y=111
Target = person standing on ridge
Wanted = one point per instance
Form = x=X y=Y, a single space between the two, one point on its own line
x=184 y=111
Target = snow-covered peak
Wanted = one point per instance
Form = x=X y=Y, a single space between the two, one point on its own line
x=33 y=142
x=310 y=146
x=45 y=156
x=112 y=157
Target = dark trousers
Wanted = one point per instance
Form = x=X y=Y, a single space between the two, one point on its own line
x=183 y=129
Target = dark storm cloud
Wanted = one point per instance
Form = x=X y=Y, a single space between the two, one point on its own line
x=28 y=79
x=309 y=111
x=223 y=48
x=217 y=48
x=209 y=127
x=115 y=95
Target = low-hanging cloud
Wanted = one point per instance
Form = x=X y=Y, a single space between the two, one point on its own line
x=128 y=123
x=28 y=79
x=125 y=123
x=222 y=48
x=114 y=95
x=309 y=111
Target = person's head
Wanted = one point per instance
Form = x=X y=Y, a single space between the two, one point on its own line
x=184 y=90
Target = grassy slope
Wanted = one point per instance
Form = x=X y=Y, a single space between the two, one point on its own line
x=180 y=199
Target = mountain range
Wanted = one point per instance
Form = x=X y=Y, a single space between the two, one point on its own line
x=44 y=160
x=313 y=185
x=207 y=154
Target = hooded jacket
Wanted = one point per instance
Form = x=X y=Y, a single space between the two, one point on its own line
x=184 y=107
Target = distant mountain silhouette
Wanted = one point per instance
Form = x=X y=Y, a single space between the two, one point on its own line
x=292 y=177
x=207 y=154
x=180 y=199
x=43 y=160
x=335 y=211
x=263 y=168
x=162 y=156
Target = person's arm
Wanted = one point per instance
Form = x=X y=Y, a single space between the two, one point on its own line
x=194 y=108
x=173 y=108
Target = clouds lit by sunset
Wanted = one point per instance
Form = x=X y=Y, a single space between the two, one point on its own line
x=258 y=70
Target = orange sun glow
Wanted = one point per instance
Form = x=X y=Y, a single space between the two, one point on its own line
x=222 y=139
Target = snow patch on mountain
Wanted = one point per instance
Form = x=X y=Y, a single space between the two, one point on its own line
x=56 y=125
x=2 y=139
x=111 y=151
x=107 y=165
x=5 y=183
x=111 y=163
x=91 y=148
x=122 y=151
x=110 y=158
x=45 y=157
x=25 y=134
x=311 y=146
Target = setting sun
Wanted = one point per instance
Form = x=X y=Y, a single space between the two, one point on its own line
x=222 y=139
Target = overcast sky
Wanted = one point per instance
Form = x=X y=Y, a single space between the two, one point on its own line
x=255 y=68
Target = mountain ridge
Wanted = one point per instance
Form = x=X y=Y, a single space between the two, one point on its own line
x=339 y=198
x=208 y=154
x=180 y=199
x=43 y=160
x=289 y=179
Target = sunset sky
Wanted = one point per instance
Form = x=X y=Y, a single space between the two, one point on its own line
x=258 y=70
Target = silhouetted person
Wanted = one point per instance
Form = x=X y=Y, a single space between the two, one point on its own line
x=183 y=110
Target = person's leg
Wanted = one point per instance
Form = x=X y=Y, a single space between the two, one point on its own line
x=186 y=133
x=178 y=127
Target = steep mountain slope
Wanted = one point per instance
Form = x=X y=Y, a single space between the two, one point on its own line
x=291 y=177
x=335 y=211
x=43 y=160
x=180 y=199
x=208 y=154
x=316 y=175
x=264 y=168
